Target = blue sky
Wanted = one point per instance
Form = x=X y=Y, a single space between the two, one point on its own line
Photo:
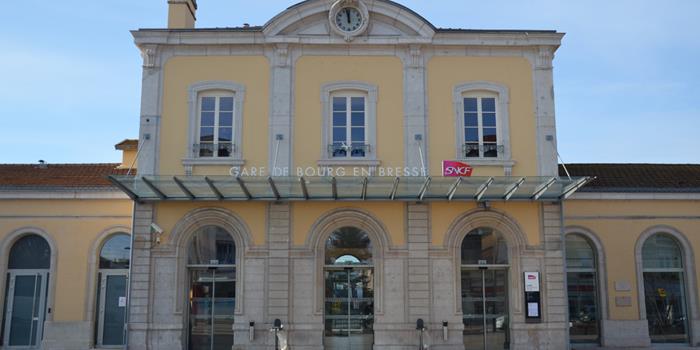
x=627 y=77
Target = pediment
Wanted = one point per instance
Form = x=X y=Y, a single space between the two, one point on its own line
x=386 y=20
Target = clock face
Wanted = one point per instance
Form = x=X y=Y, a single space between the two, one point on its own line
x=348 y=19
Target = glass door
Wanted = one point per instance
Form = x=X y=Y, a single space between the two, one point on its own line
x=485 y=309
x=212 y=302
x=349 y=309
x=112 y=308
x=26 y=307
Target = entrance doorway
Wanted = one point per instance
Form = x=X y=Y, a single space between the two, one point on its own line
x=212 y=290
x=349 y=291
x=26 y=293
x=484 y=279
x=112 y=280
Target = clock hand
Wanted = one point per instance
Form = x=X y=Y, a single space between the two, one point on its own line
x=347 y=15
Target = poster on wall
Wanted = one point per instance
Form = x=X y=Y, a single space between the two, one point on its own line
x=532 y=282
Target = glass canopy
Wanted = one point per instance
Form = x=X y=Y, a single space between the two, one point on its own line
x=374 y=188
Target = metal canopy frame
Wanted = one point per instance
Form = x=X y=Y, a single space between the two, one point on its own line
x=413 y=189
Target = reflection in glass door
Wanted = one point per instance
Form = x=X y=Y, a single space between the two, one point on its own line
x=212 y=305
x=112 y=296
x=349 y=308
x=485 y=309
x=26 y=303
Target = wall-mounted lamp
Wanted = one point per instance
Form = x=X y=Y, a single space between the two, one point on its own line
x=157 y=231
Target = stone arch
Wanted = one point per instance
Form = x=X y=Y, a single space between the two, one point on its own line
x=92 y=268
x=5 y=246
x=689 y=275
x=344 y=217
x=184 y=231
x=601 y=270
x=512 y=233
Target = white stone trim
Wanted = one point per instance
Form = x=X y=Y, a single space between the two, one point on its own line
x=502 y=122
x=182 y=235
x=601 y=273
x=327 y=90
x=194 y=91
x=689 y=275
x=344 y=217
x=515 y=238
x=5 y=246
x=92 y=270
x=63 y=194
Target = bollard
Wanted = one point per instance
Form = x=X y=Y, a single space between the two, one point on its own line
x=276 y=327
x=420 y=326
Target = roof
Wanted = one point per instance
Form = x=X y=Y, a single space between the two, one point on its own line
x=127 y=144
x=637 y=177
x=58 y=176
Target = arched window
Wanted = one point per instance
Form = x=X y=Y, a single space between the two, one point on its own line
x=349 y=293
x=112 y=277
x=664 y=289
x=26 y=292
x=484 y=277
x=582 y=286
x=212 y=295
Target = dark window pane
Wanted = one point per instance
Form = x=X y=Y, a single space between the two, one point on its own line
x=212 y=245
x=206 y=134
x=662 y=251
x=358 y=119
x=340 y=119
x=207 y=119
x=339 y=104
x=30 y=252
x=339 y=135
x=226 y=119
x=208 y=103
x=489 y=119
x=358 y=134
x=206 y=150
x=225 y=134
x=226 y=104
x=488 y=104
x=471 y=150
x=485 y=244
x=348 y=245
x=358 y=149
x=357 y=104
x=471 y=134
x=664 y=294
x=579 y=253
x=583 y=307
x=471 y=119
x=489 y=134
x=225 y=149
x=470 y=104
x=116 y=252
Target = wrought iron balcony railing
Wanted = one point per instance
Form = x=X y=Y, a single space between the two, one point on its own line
x=221 y=150
x=474 y=150
x=342 y=150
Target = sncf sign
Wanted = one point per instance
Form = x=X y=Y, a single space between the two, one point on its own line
x=454 y=169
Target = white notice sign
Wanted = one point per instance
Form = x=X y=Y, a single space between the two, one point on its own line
x=532 y=310
x=532 y=281
x=122 y=301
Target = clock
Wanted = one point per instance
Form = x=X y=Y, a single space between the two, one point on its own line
x=349 y=18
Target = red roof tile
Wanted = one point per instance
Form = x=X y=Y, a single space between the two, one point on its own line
x=34 y=176
x=638 y=177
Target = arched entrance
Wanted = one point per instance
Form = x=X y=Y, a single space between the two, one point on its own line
x=484 y=277
x=582 y=287
x=112 y=279
x=26 y=292
x=349 y=290
x=664 y=289
x=211 y=269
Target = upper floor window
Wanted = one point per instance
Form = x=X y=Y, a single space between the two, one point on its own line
x=215 y=133
x=480 y=131
x=481 y=121
x=215 y=123
x=349 y=126
x=349 y=123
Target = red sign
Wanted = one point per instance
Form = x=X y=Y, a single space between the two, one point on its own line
x=454 y=169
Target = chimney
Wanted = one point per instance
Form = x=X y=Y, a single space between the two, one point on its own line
x=181 y=14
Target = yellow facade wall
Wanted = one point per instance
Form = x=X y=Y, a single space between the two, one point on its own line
x=73 y=225
x=619 y=224
x=386 y=73
x=180 y=73
x=444 y=73
x=526 y=215
x=390 y=214
x=253 y=214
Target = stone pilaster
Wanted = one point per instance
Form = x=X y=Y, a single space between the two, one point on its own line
x=280 y=147
x=415 y=111
x=278 y=239
x=140 y=278
x=544 y=112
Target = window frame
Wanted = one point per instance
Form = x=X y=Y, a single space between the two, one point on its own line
x=215 y=89
x=483 y=89
x=349 y=89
